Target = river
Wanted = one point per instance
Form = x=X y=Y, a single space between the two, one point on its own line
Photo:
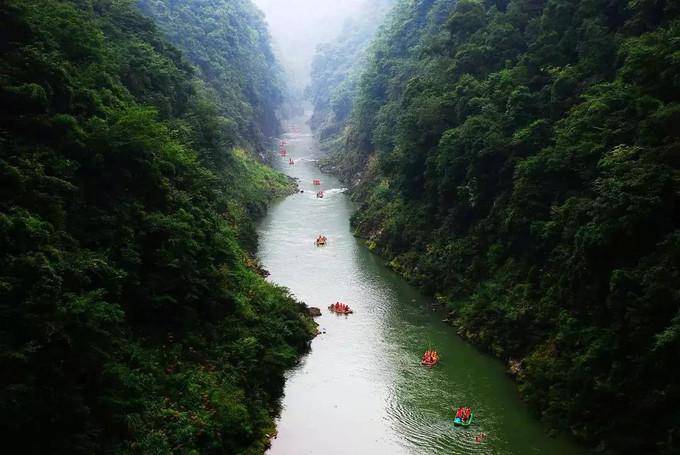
x=362 y=389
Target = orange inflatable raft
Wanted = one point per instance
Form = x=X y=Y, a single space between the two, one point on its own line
x=340 y=308
x=430 y=358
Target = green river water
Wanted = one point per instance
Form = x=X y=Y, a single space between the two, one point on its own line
x=362 y=390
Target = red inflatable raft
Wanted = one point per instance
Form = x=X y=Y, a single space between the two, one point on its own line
x=430 y=358
x=340 y=308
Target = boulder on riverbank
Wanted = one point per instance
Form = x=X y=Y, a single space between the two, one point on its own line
x=314 y=312
x=515 y=368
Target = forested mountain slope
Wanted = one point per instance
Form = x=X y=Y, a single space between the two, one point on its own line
x=132 y=318
x=520 y=159
x=228 y=41
x=336 y=70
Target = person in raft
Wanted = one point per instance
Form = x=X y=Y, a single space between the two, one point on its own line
x=342 y=308
x=463 y=413
x=430 y=357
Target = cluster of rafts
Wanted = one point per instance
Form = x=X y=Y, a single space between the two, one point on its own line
x=284 y=153
x=317 y=182
x=464 y=415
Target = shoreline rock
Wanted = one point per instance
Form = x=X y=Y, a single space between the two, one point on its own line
x=314 y=312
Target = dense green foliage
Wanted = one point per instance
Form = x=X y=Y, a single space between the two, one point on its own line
x=520 y=160
x=336 y=69
x=132 y=318
x=228 y=41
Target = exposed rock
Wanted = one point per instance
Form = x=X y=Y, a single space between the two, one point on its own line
x=515 y=367
x=314 y=312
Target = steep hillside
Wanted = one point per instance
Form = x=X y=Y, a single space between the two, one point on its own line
x=520 y=159
x=228 y=41
x=336 y=69
x=132 y=317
